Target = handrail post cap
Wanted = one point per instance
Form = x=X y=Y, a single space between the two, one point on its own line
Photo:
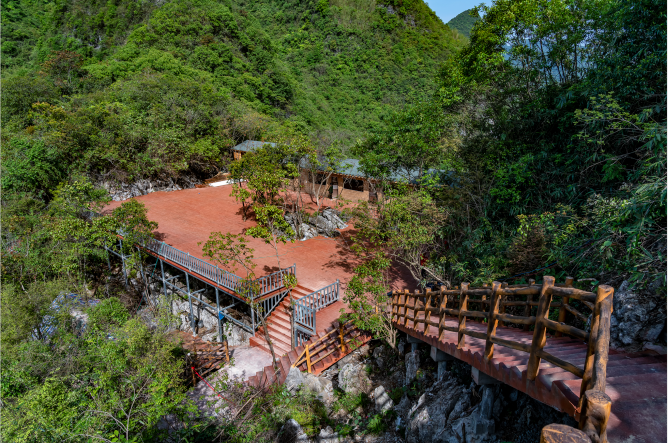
x=558 y=433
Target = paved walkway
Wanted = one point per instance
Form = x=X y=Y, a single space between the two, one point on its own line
x=247 y=362
x=189 y=216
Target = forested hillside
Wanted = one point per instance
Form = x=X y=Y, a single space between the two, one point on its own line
x=536 y=147
x=552 y=123
x=136 y=90
x=463 y=22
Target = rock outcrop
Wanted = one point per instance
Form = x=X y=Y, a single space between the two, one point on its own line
x=382 y=400
x=124 y=191
x=353 y=379
x=292 y=432
x=638 y=317
x=326 y=224
x=412 y=366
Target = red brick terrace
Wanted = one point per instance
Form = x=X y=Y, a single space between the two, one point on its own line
x=189 y=216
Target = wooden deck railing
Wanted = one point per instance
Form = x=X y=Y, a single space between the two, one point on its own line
x=340 y=339
x=493 y=301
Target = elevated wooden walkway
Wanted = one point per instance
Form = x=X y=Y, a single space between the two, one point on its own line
x=635 y=383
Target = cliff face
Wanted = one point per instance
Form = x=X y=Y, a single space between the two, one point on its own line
x=409 y=402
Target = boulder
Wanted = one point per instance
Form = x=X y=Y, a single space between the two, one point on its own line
x=638 y=317
x=401 y=346
x=378 y=357
x=412 y=365
x=327 y=435
x=124 y=191
x=294 y=380
x=321 y=387
x=333 y=217
x=307 y=231
x=292 y=432
x=382 y=400
x=353 y=379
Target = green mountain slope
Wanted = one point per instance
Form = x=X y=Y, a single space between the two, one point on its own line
x=463 y=22
x=218 y=71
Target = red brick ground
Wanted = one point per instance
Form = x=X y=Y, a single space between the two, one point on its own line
x=189 y=216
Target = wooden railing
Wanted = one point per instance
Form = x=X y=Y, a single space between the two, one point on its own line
x=342 y=338
x=493 y=302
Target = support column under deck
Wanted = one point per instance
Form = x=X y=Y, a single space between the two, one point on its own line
x=190 y=302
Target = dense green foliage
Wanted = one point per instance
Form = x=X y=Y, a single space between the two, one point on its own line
x=88 y=386
x=123 y=90
x=552 y=124
x=548 y=128
x=464 y=22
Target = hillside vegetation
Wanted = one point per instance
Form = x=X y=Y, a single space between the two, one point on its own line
x=133 y=90
x=463 y=22
x=537 y=147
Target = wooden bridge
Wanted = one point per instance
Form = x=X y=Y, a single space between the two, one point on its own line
x=571 y=370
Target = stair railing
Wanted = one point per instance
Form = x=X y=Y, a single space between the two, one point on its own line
x=306 y=307
x=594 y=404
x=342 y=339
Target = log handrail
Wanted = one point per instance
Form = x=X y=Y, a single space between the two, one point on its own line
x=422 y=305
x=312 y=349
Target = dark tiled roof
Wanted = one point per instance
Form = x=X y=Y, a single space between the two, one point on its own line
x=350 y=166
x=250 y=145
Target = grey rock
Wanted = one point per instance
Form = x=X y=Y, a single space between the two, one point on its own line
x=513 y=395
x=124 y=191
x=353 y=379
x=412 y=365
x=382 y=400
x=334 y=219
x=321 y=387
x=363 y=351
x=431 y=419
x=307 y=231
x=401 y=346
x=403 y=407
x=497 y=409
x=487 y=403
x=327 y=435
x=292 y=432
x=294 y=380
x=378 y=357
x=638 y=317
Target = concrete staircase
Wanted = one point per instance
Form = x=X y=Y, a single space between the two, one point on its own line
x=278 y=324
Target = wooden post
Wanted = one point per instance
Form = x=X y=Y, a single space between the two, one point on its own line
x=595 y=414
x=441 y=313
x=308 y=359
x=491 y=320
x=483 y=297
x=527 y=308
x=427 y=313
x=227 y=351
x=416 y=303
x=394 y=306
x=502 y=306
x=463 y=303
x=564 y=302
x=406 y=297
x=556 y=433
x=602 y=293
x=540 y=331
x=343 y=343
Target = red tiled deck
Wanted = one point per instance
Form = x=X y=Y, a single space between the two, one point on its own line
x=189 y=216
